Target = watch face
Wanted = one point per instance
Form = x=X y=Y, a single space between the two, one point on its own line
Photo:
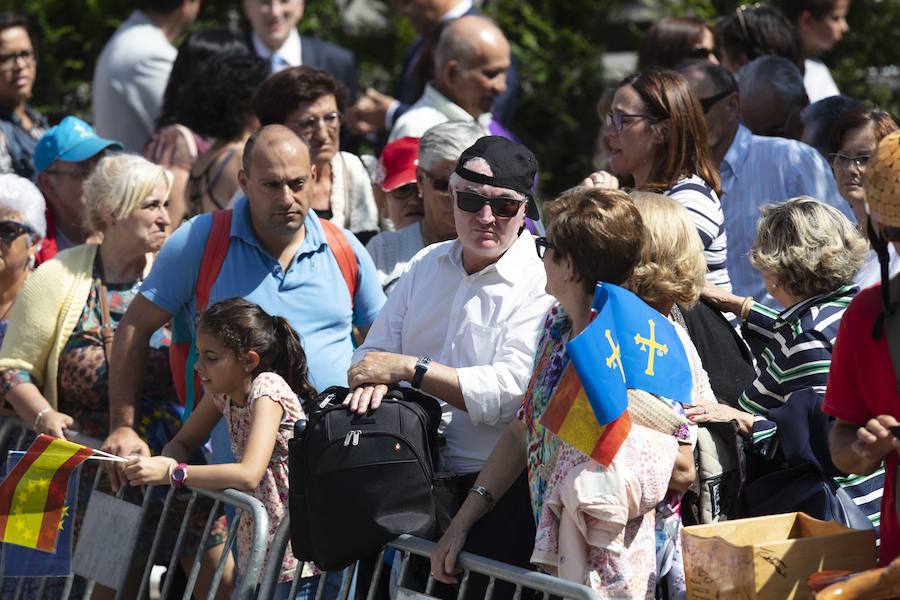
x=178 y=474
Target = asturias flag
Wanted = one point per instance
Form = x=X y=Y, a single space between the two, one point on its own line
x=627 y=345
x=33 y=494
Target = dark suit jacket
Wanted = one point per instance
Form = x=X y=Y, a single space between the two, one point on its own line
x=418 y=70
x=335 y=60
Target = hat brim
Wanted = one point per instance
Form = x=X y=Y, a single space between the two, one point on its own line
x=404 y=177
x=88 y=149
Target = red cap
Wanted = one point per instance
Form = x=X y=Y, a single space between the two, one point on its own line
x=398 y=163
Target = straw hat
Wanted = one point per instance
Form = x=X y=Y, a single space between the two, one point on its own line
x=882 y=181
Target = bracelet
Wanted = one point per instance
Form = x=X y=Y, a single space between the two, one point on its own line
x=484 y=493
x=40 y=415
x=745 y=307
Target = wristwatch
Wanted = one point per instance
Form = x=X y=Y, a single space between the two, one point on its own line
x=179 y=476
x=421 y=369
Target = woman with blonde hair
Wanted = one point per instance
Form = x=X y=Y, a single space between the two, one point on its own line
x=808 y=254
x=54 y=359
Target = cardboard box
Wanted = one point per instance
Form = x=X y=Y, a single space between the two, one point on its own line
x=769 y=557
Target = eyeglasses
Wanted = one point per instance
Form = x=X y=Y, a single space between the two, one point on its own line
x=708 y=103
x=309 y=124
x=500 y=207
x=541 y=244
x=405 y=192
x=8 y=62
x=842 y=161
x=440 y=184
x=10 y=230
x=617 y=121
x=79 y=174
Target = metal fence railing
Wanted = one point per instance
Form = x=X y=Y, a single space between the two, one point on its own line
x=188 y=507
x=407 y=546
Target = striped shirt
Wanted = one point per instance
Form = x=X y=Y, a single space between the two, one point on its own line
x=703 y=206
x=796 y=355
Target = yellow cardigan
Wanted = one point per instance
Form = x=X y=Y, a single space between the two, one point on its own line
x=45 y=314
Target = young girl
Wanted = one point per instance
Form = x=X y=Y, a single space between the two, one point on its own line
x=252 y=367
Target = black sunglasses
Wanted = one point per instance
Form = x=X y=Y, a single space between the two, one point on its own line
x=10 y=230
x=708 y=103
x=699 y=53
x=541 y=244
x=501 y=207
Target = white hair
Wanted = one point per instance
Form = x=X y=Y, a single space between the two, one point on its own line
x=447 y=141
x=118 y=186
x=776 y=73
x=20 y=196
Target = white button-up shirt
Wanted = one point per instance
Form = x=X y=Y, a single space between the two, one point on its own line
x=289 y=55
x=485 y=325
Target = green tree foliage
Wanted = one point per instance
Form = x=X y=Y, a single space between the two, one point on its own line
x=558 y=45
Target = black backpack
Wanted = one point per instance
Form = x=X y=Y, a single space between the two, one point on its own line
x=359 y=481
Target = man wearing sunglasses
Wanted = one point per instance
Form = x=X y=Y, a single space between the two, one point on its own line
x=64 y=158
x=755 y=170
x=462 y=324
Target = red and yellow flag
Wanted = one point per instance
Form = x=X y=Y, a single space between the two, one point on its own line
x=33 y=494
x=570 y=416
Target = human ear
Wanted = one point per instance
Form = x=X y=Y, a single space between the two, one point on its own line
x=242 y=181
x=250 y=361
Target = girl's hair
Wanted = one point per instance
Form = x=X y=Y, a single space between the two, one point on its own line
x=671 y=41
x=863 y=116
x=758 y=30
x=242 y=326
x=676 y=111
x=118 y=186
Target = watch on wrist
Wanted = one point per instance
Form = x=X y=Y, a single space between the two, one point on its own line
x=179 y=476
x=421 y=369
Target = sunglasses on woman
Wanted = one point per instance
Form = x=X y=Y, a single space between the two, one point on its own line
x=10 y=230
x=501 y=207
x=541 y=244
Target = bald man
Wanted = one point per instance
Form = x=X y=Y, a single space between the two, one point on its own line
x=278 y=257
x=470 y=63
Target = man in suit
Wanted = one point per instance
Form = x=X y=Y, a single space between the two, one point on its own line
x=376 y=111
x=274 y=36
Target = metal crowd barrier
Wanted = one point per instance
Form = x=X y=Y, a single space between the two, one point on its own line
x=406 y=546
x=15 y=435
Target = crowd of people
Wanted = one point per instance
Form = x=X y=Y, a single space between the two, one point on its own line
x=219 y=203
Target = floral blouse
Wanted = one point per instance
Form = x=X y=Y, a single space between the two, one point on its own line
x=272 y=490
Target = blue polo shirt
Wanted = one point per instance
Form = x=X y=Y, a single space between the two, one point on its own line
x=311 y=294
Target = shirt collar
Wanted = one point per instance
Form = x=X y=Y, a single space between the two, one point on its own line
x=289 y=51
x=457 y=11
x=739 y=148
x=450 y=109
x=793 y=313
x=512 y=266
x=242 y=228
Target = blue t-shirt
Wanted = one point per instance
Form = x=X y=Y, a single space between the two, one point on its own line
x=311 y=294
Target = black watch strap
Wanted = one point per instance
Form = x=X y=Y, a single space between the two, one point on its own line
x=421 y=369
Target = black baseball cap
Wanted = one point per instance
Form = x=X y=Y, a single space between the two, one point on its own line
x=513 y=165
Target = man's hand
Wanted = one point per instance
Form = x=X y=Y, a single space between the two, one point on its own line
x=122 y=441
x=382 y=367
x=443 y=557
x=369 y=112
x=142 y=470
x=365 y=398
x=875 y=440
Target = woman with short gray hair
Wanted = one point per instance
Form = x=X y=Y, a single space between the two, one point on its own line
x=808 y=254
x=22 y=229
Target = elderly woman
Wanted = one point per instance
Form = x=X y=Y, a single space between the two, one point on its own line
x=808 y=254
x=856 y=136
x=582 y=225
x=311 y=103
x=54 y=360
x=22 y=228
x=656 y=134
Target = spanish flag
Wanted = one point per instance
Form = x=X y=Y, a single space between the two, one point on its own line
x=33 y=494
x=570 y=416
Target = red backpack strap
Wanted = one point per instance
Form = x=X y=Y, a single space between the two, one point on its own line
x=343 y=254
x=213 y=256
